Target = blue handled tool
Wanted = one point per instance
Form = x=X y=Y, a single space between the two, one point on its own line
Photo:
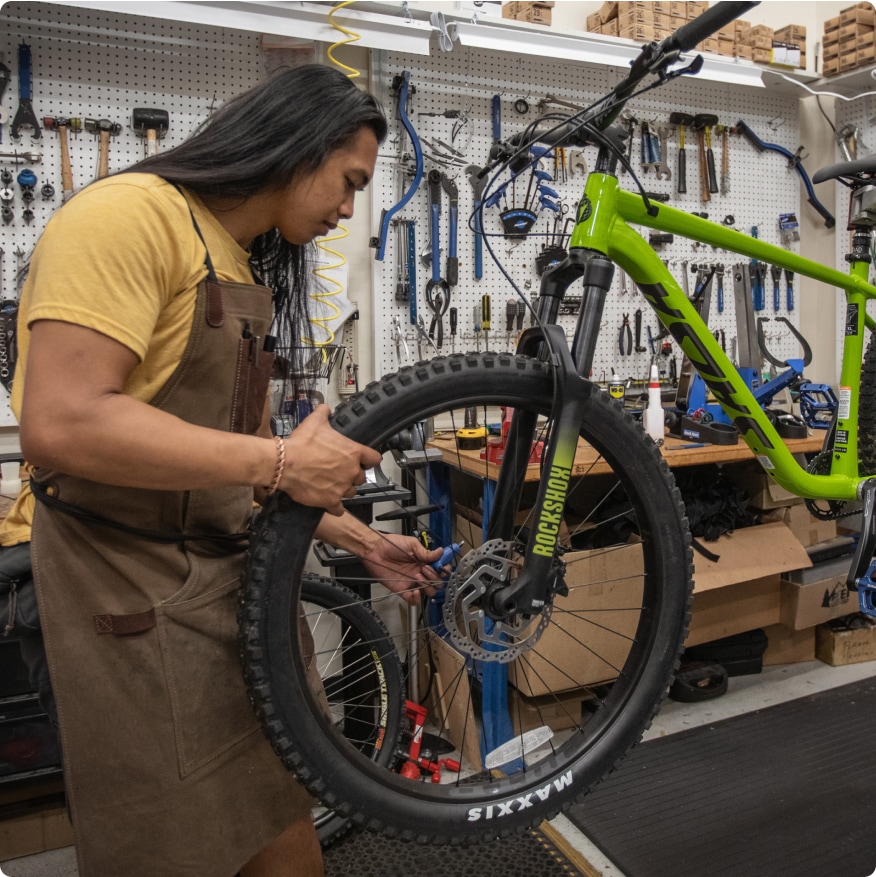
x=795 y=162
x=448 y=554
x=25 y=116
x=402 y=85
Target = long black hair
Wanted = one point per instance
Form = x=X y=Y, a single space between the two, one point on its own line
x=259 y=141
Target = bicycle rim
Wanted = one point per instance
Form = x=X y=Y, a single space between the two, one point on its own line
x=582 y=683
x=361 y=676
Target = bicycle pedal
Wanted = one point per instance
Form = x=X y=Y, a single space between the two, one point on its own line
x=867 y=593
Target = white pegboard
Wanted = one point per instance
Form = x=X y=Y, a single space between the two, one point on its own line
x=91 y=64
x=761 y=186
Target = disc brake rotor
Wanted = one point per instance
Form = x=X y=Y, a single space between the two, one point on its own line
x=471 y=628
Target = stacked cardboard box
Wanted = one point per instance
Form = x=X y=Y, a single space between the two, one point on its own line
x=785 y=46
x=535 y=13
x=849 y=40
x=643 y=21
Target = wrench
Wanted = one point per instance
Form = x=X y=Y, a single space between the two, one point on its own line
x=30 y=157
x=661 y=168
x=24 y=116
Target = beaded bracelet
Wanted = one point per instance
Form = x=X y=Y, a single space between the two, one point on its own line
x=281 y=465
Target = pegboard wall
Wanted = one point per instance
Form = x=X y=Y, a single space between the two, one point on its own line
x=95 y=65
x=464 y=82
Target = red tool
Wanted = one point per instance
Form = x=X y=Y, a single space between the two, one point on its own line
x=415 y=765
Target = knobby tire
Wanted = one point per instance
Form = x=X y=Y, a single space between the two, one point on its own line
x=629 y=508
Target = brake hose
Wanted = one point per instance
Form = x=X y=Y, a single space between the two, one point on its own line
x=402 y=84
x=794 y=161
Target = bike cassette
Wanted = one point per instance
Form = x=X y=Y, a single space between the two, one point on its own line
x=472 y=630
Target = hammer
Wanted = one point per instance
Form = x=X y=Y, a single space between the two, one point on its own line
x=150 y=124
x=104 y=128
x=61 y=124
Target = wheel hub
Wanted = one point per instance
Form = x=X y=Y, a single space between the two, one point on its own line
x=474 y=630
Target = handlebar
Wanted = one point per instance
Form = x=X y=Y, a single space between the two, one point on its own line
x=703 y=26
x=653 y=58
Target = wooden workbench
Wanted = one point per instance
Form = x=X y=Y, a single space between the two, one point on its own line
x=676 y=452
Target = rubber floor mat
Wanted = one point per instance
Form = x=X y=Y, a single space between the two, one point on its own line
x=365 y=854
x=787 y=791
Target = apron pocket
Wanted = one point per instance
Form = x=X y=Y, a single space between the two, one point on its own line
x=199 y=651
x=253 y=375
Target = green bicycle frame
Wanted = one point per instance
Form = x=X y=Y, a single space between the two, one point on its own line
x=603 y=225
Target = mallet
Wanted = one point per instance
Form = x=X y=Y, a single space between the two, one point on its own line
x=151 y=124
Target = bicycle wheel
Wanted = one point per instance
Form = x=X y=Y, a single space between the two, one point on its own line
x=601 y=654
x=361 y=676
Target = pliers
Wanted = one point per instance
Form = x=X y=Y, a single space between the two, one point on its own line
x=625 y=337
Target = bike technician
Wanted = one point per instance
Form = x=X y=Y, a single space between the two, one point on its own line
x=141 y=400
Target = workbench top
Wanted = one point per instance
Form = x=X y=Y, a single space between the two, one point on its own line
x=676 y=452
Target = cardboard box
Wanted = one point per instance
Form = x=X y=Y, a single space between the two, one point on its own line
x=535 y=13
x=450 y=699
x=838 y=643
x=742 y=589
x=830 y=66
x=763 y=492
x=817 y=594
x=848 y=60
x=678 y=9
x=860 y=13
x=747 y=554
x=574 y=651
x=797 y=518
x=35 y=833
x=853 y=32
x=786 y=646
x=594 y=23
x=608 y=11
x=558 y=712
x=832 y=24
x=791 y=33
x=742 y=51
x=696 y=7
x=866 y=54
x=734 y=609
x=638 y=32
x=610 y=28
x=632 y=15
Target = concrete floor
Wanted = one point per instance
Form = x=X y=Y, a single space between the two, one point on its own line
x=745 y=694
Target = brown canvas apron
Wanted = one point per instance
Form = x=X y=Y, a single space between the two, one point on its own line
x=166 y=768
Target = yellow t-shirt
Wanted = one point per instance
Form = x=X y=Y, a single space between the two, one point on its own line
x=122 y=257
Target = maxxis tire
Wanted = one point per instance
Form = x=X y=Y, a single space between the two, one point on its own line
x=457 y=813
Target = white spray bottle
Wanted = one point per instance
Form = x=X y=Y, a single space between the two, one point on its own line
x=652 y=417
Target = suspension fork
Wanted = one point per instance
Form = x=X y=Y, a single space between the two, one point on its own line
x=572 y=390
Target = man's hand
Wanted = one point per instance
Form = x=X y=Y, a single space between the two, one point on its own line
x=323 y=467
x=402 y=564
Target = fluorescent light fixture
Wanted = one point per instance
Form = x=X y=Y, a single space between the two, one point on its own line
x=291 y=19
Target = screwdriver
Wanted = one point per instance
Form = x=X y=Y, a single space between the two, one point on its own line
x=453 y=320
x=510 y=318
x=477 y=327
x=485 y=319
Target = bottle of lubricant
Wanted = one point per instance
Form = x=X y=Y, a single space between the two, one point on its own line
x=652 y=418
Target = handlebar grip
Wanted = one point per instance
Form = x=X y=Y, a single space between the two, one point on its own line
x=703 y=26
x=829 y=221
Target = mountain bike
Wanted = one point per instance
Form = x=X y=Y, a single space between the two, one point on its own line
x=594 y=634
